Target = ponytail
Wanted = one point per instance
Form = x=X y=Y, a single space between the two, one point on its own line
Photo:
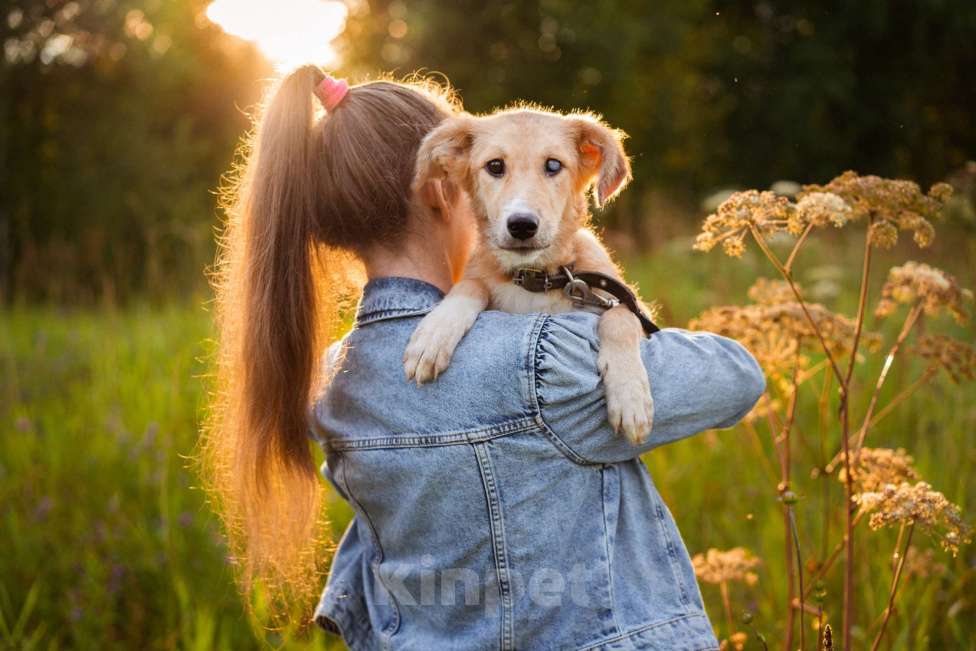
x=311 y=192
x=273 y=322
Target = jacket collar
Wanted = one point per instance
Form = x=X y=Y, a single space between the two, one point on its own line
x=395 y=297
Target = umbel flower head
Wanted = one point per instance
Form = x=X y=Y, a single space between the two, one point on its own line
x=775 y=329
x=891 y=204
x=771 y=292
x=894 y=205
x=819 y=209
x=958 y=359
x=875 y=468
x=730 y=224
x=717 y=566
x=918 y=504
x=934 y=288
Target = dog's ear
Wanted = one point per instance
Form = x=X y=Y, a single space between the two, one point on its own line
x=443 y=154
x=602 y=156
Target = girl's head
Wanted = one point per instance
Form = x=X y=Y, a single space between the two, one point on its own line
x=317 y=188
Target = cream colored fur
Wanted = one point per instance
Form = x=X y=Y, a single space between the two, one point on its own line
x=592 y=156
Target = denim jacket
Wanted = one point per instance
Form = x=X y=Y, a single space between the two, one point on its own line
x=495 y=508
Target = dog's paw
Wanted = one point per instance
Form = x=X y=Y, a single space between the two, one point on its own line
x=431 y=347
x=630 y=407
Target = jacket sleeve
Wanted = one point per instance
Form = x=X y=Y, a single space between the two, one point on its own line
x=699 y=381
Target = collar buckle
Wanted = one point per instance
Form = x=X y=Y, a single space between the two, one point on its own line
x=579 y=292
x=532 y=279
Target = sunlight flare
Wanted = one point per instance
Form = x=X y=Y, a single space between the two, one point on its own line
x=288 y=32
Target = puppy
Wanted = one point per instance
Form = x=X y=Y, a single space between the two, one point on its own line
x=528 y=173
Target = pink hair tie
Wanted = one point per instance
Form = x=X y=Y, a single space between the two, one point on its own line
x=331 y=91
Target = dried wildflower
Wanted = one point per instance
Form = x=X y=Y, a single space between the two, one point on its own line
x=822 y=209
x=776 y=330
x=771 y=292
x=956 y=357
x=716 y=566
x=934 y=288
x=883 y=235
x=737 y=215
x=775 y=349
x=923 y=564
x=875 y=468
x=917 y=504
x=941 y=192
x=898 y=205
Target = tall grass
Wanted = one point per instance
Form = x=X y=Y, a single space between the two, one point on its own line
x=106 y=542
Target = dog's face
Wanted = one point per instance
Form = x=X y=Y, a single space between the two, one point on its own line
x=527 y=172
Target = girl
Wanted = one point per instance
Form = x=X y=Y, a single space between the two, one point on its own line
x=495 y=507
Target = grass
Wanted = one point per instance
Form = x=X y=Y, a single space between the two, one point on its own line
x=108 y=543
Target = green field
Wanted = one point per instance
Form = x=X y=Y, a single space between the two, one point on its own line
x=107 y=541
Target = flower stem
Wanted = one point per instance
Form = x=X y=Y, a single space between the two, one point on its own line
x=910 y=321
x=823 y=402
x=845 y=436
x=829 y=562
x=894 y=588
x=796 y=248
x=925 y=377
x=789 y=525
x=788 y=277
x=727 y=603
x=799 y=570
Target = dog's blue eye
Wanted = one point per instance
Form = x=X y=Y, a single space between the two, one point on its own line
x=553 y=166
x=495 y=167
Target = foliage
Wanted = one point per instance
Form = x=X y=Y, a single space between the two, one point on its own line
x=882 y=483
x=117 y=117
x=116 y=120
x=712 y=93
x=107 y=540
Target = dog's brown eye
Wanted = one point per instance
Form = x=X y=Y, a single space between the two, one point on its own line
x=495 y=167
x=553 y=166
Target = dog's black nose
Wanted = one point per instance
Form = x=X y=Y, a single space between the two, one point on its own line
x=522 y=225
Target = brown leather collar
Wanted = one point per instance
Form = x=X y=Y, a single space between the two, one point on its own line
x=579 y=286
x=540 y=280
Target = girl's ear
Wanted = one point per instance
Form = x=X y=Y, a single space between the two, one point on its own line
x=602 y=156
x=443 y=154
x=438 y=195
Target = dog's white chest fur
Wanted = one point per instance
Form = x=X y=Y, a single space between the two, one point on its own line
x=509 y=297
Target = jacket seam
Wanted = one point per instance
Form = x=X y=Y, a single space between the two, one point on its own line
x=533 y=354
x=499 y=545
x=387 y=632
x=607 y=549
x=672 y=550
x=395 y=313
x=410 y=440
x=643 y=629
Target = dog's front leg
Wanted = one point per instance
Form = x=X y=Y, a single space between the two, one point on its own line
x=432 y=344
x=628 y=389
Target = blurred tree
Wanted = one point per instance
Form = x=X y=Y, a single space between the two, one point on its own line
x=118 y=116
x=712 y=93
x=116 y=120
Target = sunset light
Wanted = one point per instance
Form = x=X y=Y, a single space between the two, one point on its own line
x=288 y=32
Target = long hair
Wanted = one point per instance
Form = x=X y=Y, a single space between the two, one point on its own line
x=313 y=189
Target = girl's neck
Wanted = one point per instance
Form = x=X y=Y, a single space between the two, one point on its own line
x=423 y=258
